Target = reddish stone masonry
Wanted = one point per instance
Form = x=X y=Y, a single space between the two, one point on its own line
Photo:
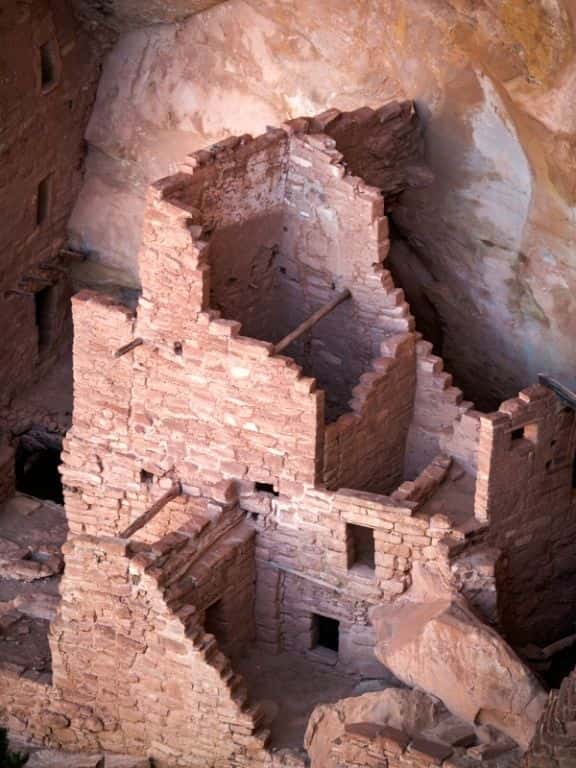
x=309 y=483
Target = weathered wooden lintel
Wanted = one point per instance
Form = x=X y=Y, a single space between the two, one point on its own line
x=128 y=347
x=151 y=513
x=311 y=321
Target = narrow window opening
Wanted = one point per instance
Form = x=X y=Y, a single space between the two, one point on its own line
x=360 y=547
x=325 y=632
x=146 y=478
x=527 y=432
x=43 y=307
x=47 y=65
x=43 y=200
x=215 y=622
x=266 y=488
x=178 y=347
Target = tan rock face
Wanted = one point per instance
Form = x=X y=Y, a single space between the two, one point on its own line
x=442 y=648
x=490 y=242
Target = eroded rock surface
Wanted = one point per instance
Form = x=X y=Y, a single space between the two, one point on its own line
x=441 y=647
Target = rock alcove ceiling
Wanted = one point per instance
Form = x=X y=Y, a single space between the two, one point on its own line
x=485 y=254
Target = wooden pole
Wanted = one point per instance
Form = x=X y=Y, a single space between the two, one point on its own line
x=128 y=347
x=565 y=394
x=145 y=518
x=311 y=322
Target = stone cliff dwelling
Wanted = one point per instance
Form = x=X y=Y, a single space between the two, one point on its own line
x=246 y=516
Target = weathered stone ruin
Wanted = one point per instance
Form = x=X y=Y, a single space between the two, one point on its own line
x=247 y=518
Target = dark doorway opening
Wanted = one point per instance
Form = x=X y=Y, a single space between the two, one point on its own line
x=37 y=461
x=325 y=632
x=43 y=306
x=47 y=65
x=215 y=623
x=43 y=200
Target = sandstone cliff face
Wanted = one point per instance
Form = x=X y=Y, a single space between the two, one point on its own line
x=489 y=261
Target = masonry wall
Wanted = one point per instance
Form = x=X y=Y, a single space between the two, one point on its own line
x=43 y=124
x=133 y=670
x=553 y=744
x=236 y=194
x=524 y=492
x=335 y=237
x=303 y=565
x=439 y=412
x=365 y=448
x=201 y=403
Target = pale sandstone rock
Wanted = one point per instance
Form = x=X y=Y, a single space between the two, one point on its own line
x=441 y=647
x=37 y=605
x=25 y=570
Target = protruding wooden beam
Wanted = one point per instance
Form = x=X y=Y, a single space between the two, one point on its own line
x=128 y=347
x=311 y=322
x=151 y=513
x=50 y=266
x=68 y=254
x=565 y=394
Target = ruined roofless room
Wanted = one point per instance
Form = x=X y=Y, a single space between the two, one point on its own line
x=287 y=384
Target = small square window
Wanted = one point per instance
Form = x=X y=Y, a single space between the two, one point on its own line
x=360 y=547
x=48 y=65
x=325 y=632
x=527 y=432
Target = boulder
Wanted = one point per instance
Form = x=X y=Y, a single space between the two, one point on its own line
x=405 y=710
x=441 y=647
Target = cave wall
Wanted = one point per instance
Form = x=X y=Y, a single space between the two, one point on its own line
x=48 y=77
x=488 y=246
